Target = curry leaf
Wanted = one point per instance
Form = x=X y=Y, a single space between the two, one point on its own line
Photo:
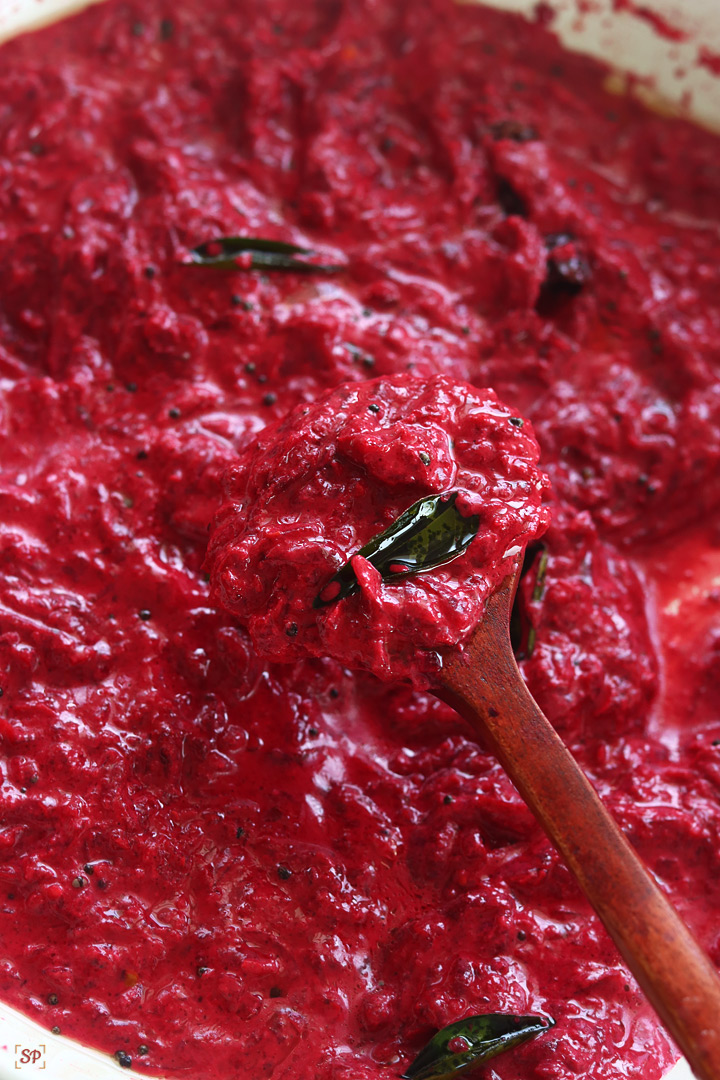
x=226 y=253
x=459 y=1047
x=429 y=533
x=539 y=589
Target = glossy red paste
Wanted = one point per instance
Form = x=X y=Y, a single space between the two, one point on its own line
x=310 y=492
x=223 y=868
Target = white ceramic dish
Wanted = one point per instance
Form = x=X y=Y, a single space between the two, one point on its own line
x=630 y=44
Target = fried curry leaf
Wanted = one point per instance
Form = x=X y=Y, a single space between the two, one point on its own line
x=226 y=252
x=459 y=1047
x=429 y=533
x=539 y=589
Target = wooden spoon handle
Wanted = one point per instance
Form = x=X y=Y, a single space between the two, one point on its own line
x=484 y=684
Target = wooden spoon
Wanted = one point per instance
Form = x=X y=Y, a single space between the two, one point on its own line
x=484 y=684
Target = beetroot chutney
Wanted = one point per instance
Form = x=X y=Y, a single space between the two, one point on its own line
x=310 y=492
x=219 y=867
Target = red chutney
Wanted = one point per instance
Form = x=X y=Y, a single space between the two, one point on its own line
x=313 y=490
x=289 y=870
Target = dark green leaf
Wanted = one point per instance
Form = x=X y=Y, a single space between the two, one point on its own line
x=224 y=251
x=539 y=588
x=428 y=534
x=459 y=1047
